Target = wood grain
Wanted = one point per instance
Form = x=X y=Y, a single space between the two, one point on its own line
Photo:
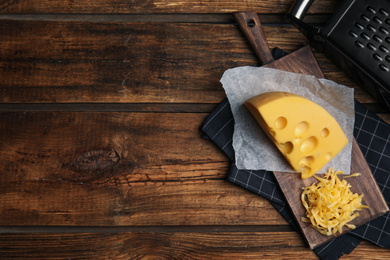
x=130 y=62
x=157 y=6
x=149 y=245
x=301 y=61
x=159 y=62
x=209 y=18
x=107 y=168
x=177 y=245
x=112 y=107
x=117 y=62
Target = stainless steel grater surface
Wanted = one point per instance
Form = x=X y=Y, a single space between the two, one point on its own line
x=357 y=38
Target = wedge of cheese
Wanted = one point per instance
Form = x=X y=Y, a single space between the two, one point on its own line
x=304 y=132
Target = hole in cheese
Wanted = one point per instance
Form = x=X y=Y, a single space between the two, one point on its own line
x=306 y=161
x=301 y=128
x=280 y=122
x=309 y=144
x=286 y=148
x=325 y=132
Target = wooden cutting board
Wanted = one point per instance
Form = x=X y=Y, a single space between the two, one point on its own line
x=303 y=61
x=291 y=185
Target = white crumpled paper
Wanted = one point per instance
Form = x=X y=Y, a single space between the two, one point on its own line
x=253 y=149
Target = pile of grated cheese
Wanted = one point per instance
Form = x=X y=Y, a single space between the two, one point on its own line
x=330 y=204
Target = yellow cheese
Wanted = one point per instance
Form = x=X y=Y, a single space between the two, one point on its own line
x=330 y=204
x=304 y=132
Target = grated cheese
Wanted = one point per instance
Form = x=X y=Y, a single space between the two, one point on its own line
x=330 y=204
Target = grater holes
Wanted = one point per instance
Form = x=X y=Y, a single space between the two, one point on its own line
x=377 y=38
x=359 y=44
x=371 y=10
x=371 y=31
x=359 y=26
x=383 y=30
x=365 y=36
x=383 y=49
x=384 y=67
x=365 y=18
x=353 y=34
x=371 y=28
x=383 y=11
x=377 y=57
x=371 y=46
x=377 y=20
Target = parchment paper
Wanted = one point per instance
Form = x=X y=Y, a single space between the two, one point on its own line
x=253 y=149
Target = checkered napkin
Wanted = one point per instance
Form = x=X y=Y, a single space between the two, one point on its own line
x=373 y=136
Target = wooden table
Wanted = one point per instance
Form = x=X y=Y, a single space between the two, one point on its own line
x=100 y=149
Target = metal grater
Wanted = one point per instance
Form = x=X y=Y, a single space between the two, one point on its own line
x=357 y=38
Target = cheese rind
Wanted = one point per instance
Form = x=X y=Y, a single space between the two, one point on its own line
x=304 y=132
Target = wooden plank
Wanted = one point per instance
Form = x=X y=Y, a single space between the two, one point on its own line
x=97 y=168
x=385 y=117
x=116 y=62
x=130 y=62
x=165 y=228
x=137 y=107
x=301 y=61
x=112 y=107
x=177 y=245
x=222 y=18
x=155 y=6
x=146 y=203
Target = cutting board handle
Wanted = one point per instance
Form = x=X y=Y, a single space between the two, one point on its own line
x=250 y=25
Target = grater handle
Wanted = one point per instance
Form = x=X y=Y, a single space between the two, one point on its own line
x=296 y=14
x=300 y=8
